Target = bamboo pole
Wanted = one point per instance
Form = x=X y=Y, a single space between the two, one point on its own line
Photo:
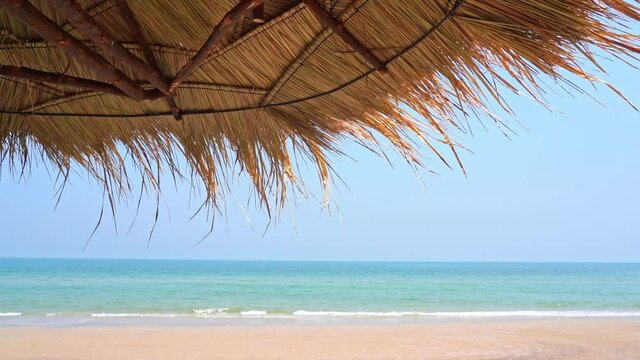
x=69 y=81
x=51 y=32
x=324 y=17
x=138 y=35
x=230 y=18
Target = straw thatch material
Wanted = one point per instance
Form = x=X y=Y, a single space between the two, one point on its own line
x=289 y=86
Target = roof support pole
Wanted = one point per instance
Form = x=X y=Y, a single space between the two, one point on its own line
x=69 y=81
x=87 y=25
x=51 y=32
x=138 y=35
x=234 y=15
x=325 y=17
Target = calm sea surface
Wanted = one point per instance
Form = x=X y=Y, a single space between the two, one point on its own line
x=57 y=291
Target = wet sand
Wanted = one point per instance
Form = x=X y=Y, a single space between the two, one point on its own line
x=565 y=339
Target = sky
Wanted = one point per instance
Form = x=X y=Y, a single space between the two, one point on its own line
x=566 y=188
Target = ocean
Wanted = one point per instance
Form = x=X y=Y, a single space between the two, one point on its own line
x=91 y=291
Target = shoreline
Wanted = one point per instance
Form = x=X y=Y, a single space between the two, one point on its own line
x=462 y=339
x=305 y=318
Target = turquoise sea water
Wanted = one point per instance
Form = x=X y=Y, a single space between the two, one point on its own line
x=32 y=290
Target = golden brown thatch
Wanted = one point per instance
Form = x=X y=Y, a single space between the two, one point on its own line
x=282 y=81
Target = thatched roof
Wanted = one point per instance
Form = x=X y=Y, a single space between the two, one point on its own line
x=87 y=85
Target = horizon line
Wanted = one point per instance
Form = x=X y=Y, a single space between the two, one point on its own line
x=325 y=260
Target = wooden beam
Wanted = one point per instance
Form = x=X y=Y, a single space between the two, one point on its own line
x=325 y=17
x=136 y=32
x=51 y=32
x=234 y=15
x=87 y=25
x=138 y=35
x=69 y=81
x=175 y=110
x=95 y=10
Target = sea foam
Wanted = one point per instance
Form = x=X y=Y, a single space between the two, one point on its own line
x=10 y=313
x=225 y=312
x=307 y=314
x=210 y=312
x=534 y=313
x=358 y=313
x=468 y=314
x=253 y=313
x=150 y=315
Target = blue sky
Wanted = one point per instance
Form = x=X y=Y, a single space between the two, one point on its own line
x=567 y=188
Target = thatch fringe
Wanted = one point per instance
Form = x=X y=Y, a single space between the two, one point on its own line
x=295 y=91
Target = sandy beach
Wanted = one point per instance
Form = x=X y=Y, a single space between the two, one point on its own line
x=506 y=339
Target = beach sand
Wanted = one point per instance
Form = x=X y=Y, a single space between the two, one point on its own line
x=482 y=339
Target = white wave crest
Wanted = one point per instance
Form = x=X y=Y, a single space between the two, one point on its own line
x=210 y=312
x=224 y=312
x=10 y=313
x=253 y=313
